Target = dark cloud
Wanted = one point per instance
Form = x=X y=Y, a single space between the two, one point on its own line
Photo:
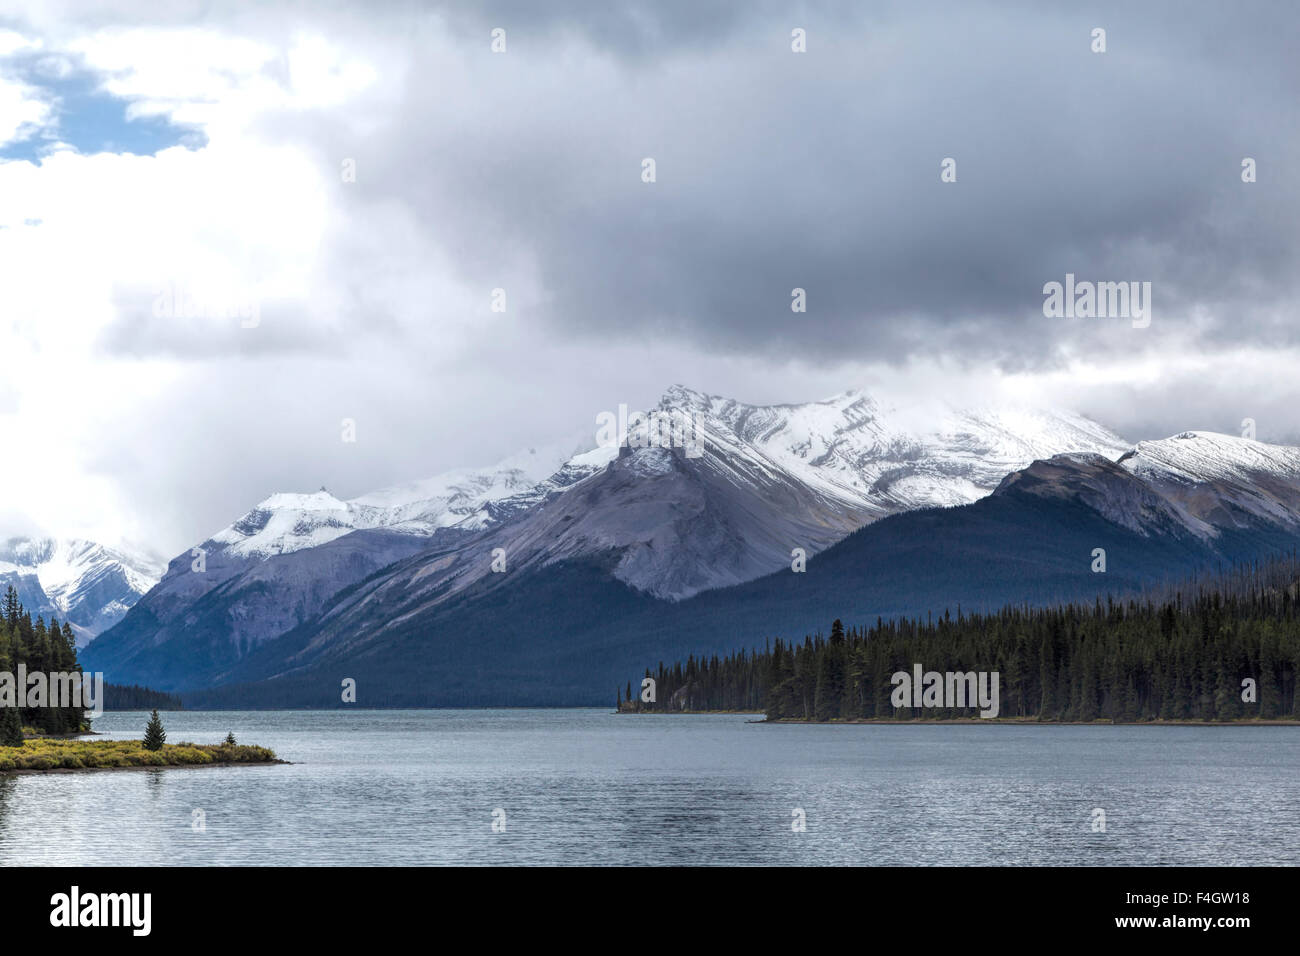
x=633 y=29
x=821 y=171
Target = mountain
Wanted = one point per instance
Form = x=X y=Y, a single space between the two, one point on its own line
x=662 y=523
x=1220 y=482
x=277 y=565
x=87 y=584
x=463 y=500
x=870 y=457
x=570 y=631
x=769 y=480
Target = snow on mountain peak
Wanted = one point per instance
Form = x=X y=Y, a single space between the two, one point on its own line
x=1212 y=456
x=316 y=501
x=1221 y=480
x=856 y=450
x=462 y=498
x=849 y=449
x=89 y=584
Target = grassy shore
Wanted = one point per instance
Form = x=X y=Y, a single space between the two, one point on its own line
x=52 y=754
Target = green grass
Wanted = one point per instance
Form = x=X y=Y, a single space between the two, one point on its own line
x=54 y=754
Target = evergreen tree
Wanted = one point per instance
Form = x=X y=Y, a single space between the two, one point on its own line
x=154 y=737
x=11 y=727
x=829 y=693
x=12 y=609
x=230 y=738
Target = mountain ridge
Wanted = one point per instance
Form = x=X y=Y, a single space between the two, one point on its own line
x=89 y=585
x=565 y=633
x=668 y=524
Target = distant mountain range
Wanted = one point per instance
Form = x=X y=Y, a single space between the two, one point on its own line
x=612 y=558
x=87 y=584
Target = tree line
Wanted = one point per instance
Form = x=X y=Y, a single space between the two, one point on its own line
x=43 y=649
x=1222 y=648
x=135 y=697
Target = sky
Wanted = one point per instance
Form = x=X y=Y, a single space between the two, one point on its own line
x=225 y=231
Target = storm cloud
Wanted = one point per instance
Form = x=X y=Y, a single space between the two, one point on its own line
x=522 y=171
x=822 y=171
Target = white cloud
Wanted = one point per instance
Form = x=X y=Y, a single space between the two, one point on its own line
x=12 y=42
x=88 y=243
x=24 y=111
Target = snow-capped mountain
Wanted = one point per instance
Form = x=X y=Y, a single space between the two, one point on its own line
x=769 y=479
x=562 y=625
x=1200 y=483
x=1219 y=482
x=87 y=584
x=466 y=500
x=276 y=566
x=562 y=631
x=848 y=450
x=668 y=524
x=853 y=449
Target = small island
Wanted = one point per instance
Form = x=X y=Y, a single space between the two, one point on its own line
x=64 y=754
x=51 y=755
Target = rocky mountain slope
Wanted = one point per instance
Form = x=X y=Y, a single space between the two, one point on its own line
x=87 y=584
x=569 y=631
x=664 y=522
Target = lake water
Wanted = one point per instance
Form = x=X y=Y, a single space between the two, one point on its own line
x=590 y=787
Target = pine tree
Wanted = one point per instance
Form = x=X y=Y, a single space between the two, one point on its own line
x=230 y=737
x=12 y=609
x=828 y=693
x=11 y=727
x=154 y=737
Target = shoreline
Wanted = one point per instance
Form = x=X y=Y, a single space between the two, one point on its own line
x=972 y=721
x=674 y=713
x=1031 y=722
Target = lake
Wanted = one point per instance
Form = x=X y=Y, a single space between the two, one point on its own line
x=591 y=787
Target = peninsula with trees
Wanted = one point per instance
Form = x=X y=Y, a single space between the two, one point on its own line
x=48 y=738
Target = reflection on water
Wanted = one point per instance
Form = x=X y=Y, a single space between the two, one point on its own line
x=586 y=786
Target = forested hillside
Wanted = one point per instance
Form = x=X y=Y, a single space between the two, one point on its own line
x=1180 y=655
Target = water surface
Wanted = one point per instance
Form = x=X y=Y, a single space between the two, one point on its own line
x=591 y=787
